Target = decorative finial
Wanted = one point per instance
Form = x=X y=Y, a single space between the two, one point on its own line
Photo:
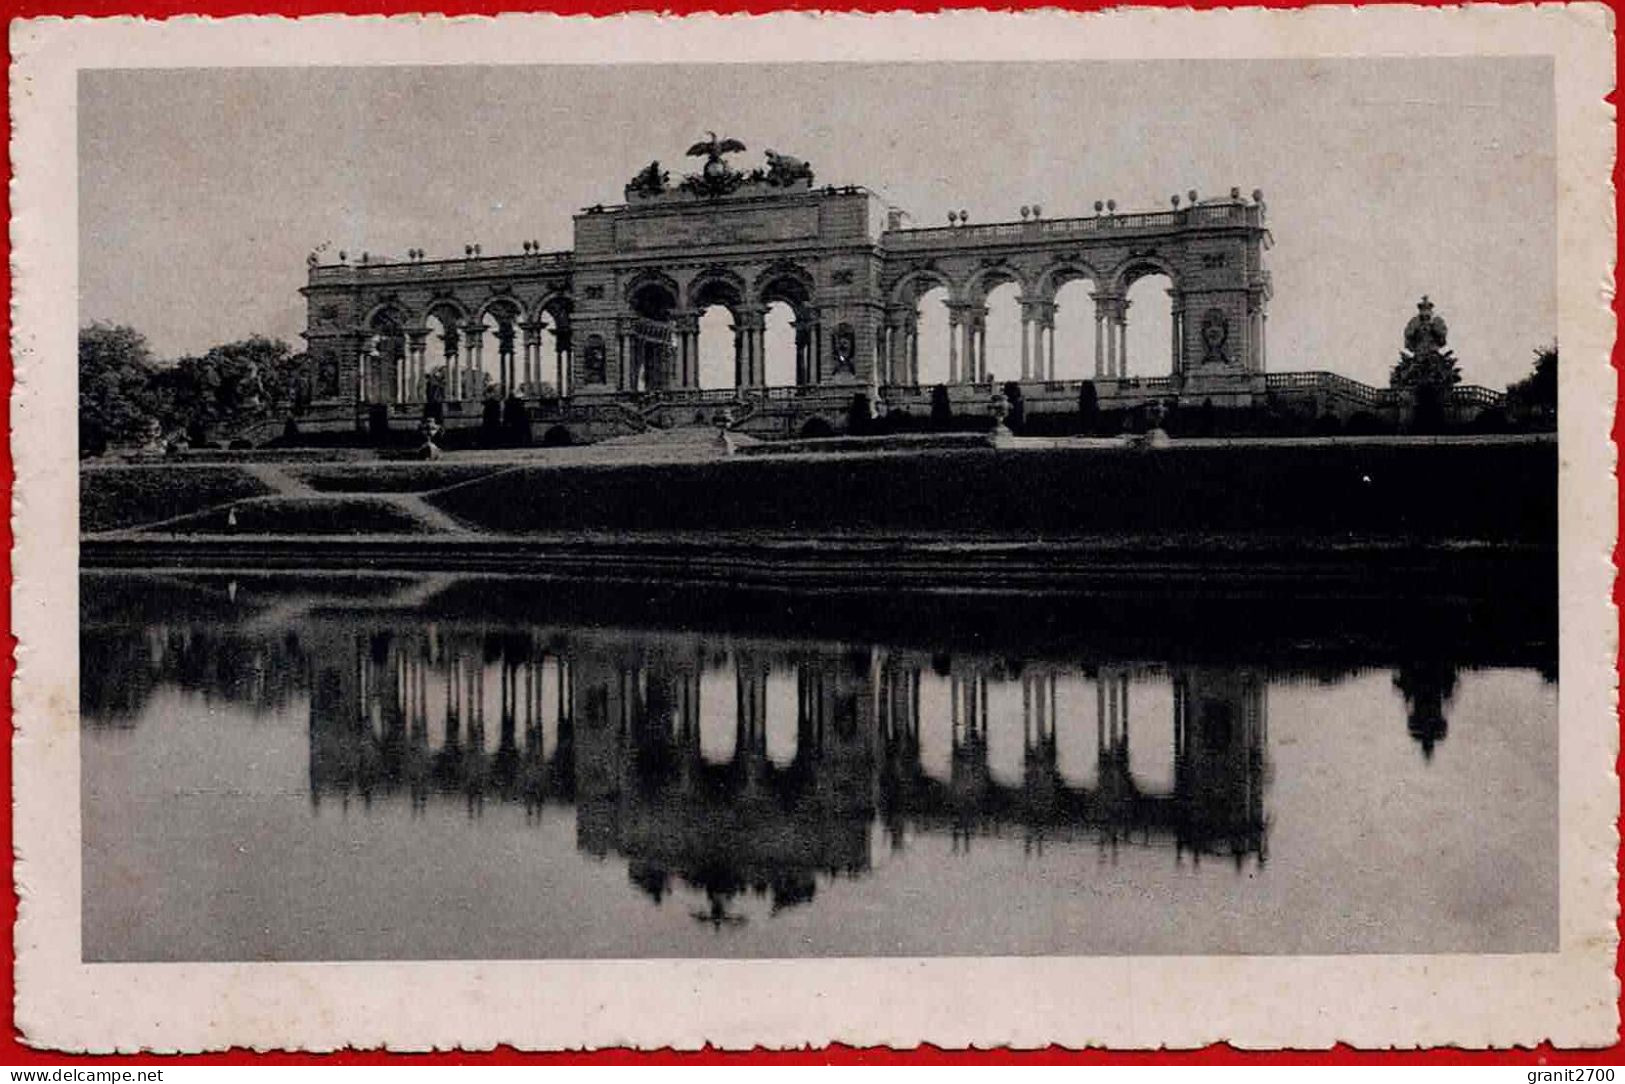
x=1099 y=207
x=1025 y=212
x=344 y=257
x=1175 y=202
x=953 y=218
x=1191 y=195
x=468 y=250
x=1038 y=211
x=1111 y=206
x=964 y=215
x=1235 y=193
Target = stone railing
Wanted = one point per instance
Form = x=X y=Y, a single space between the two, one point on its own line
x=1040 y=229
x=1462 y=394
x=468 y=267
x=1477 y=395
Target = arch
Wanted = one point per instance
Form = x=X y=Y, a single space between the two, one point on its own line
x=928 y=343
x=999 y=335
x=717 y=286
x=1148 y=305
x=715 y=364
x=782 y=341
x=653 y=297
x=908 y=289
x=1131 y=270
x=1057 y=275
x=985 y=280
x=1073 y=319
x=446 y=309
x=442 y=329
x=557 y=304
x=382 y=376
x=647 y=281
x=552 y=367
x=503 y=305
x=786 y=282
x=398 y=317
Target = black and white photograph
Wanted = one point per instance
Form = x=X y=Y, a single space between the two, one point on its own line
x=993 y=510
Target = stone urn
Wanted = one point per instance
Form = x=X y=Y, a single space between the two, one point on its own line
x=429 y=429
x=724 y=420
x=1156 y=413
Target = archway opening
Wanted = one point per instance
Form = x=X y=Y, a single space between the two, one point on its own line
x=440 y=351
x=551 y=376
x=1148 y=338
x=386 y=354
x=719 y=714
x=1001 y=335
x=502 y=348
x=779 y=333
x=716 y=347
x=788 y=332
x=931 y=335
x=719 y=301
x=649 y=347
x=1074 y=336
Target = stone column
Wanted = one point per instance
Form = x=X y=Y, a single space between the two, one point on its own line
x=473 y=349
x=981 y=346
x=894 y=348
x=505 y=359
x=1100 y=340
x=533 y=357
x=967 y=361
x=454 y=386
x=417 y=343
x=365 y=362
x=1044 y=367
x=623 y=363
x=758 y=354
x=914 y=352
x=953 y=344
x=739 y=353
x=1122 y=331
x=1111 y=340
x=688 y=349
x=1026 y=335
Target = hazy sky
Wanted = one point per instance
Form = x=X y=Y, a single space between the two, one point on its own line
x=202 y=191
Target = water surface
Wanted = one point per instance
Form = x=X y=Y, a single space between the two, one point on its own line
x=421 y=768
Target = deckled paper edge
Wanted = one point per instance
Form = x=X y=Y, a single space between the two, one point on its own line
x=1569 y=997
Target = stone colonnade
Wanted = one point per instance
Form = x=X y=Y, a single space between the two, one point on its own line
x=666 y=354
x=404 y=377
x=967 y=341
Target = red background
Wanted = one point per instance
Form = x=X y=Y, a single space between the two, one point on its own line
x=12 y=1049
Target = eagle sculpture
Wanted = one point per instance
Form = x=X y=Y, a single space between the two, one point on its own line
x=713 y=148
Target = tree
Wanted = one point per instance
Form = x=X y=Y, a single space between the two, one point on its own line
x=116 y=400
x=1536 y=394
x=232 y=385
x=1435 y=370
x=1088 y=407
x=942 y=410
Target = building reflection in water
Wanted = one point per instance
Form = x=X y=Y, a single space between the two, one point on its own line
x=694 y=764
